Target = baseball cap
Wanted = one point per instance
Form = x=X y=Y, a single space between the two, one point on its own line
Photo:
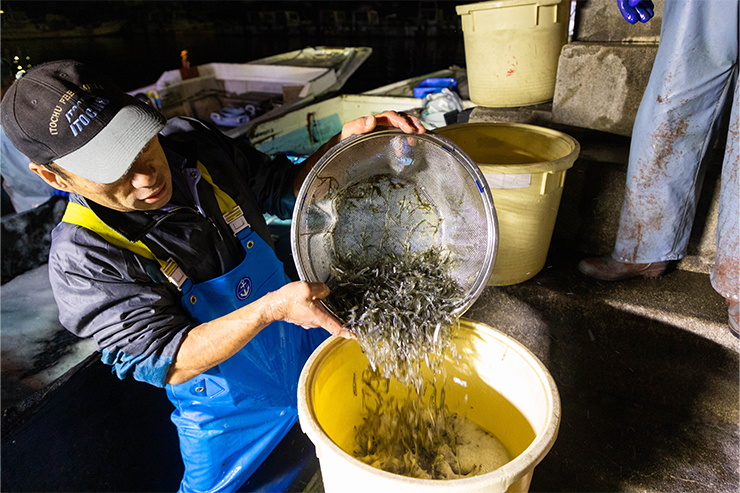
x=68 y=113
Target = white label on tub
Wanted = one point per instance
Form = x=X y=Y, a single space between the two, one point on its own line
x=508 y=181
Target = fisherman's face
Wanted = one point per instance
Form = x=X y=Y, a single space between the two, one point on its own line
x=147 y=185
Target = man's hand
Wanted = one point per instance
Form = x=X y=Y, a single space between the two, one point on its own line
x=298 y=303
x=391 y=119
x=387 y=119
x=634 y=10
x=211 y=343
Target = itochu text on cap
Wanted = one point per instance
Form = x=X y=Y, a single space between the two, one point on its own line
x=68 y=113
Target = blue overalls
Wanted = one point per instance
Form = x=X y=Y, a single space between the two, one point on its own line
x=232 y=416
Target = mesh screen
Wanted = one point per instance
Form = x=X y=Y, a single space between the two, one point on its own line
x=389 y=192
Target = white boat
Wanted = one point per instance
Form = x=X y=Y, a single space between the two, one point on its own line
x=304 y=130
x=232 y=94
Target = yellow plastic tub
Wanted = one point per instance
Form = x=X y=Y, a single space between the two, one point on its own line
x=525 y=167
x=512 y=49
x=498 y=383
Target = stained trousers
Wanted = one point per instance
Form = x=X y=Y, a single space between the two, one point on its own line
x=694 y=78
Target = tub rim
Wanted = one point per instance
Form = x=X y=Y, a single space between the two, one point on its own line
x=562 y=163
x=505 y=475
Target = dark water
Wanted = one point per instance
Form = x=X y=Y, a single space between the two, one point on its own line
x=136 y=60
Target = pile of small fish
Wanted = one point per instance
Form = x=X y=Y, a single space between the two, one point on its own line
x=399 y=307
x=403 y=438
x=417 y=436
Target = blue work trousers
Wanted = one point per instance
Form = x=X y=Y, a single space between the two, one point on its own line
x=693 y=78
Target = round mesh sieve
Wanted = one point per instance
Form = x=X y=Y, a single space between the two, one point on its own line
x=390 y=192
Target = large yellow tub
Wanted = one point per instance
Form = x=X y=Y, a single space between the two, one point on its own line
x=498 y=384
x=525 y=167
x=512 y=48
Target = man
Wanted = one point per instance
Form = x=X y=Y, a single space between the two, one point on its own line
x=693 y=80
x=164 y=258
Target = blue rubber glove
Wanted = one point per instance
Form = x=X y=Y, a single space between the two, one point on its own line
x=632 y=10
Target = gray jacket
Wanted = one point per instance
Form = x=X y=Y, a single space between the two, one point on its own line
x=121 y=299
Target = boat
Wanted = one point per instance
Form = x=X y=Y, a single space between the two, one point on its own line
x=234 y=94
x=304 y=130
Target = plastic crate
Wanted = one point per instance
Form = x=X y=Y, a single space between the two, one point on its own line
x=433 y=85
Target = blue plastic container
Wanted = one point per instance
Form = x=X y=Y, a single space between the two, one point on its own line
x=433 y=85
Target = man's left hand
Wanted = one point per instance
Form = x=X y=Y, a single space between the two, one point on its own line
x=389 y=119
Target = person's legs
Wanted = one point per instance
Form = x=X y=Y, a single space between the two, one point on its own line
x=683 y=100
x=688 y=86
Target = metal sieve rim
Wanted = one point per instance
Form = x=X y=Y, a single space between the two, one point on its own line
x=466 y=163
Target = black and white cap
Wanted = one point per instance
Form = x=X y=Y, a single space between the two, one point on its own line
x=67 y=113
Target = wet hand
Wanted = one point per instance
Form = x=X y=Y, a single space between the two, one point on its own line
x=634 y=10
x=298 y=303
x=390 y=119
x=387 y=119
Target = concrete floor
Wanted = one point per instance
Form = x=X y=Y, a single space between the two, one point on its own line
x=647 y=374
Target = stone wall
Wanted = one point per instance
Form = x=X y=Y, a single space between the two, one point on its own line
x=603 y=73
x=599 y=21
x=600 y=85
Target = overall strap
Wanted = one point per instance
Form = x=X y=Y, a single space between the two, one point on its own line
x=84 y=217
x=231 y=212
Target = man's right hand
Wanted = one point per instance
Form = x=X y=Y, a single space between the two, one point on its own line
x=212 y=343
x=634 y=10
x=298 y=303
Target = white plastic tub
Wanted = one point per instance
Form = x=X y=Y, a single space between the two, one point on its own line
x=499 y=384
